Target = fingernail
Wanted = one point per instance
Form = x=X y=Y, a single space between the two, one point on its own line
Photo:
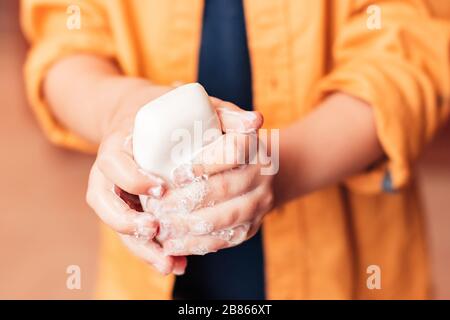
x=202 y=228
x=178 y=271
x=246 y=124
x=183 y=174
x=247 y=115
x=156 y=192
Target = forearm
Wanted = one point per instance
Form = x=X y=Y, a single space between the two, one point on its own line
x=85 y=92
x=336 y=140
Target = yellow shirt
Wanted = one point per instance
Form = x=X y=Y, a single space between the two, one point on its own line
x=321 y=245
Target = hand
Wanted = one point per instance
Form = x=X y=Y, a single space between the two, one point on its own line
x=227 y=208
x=115 y=179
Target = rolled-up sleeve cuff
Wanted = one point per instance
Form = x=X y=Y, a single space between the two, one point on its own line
x=40 y=59
x=370 y=85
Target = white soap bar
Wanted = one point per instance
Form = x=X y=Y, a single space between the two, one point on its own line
x=161 y=124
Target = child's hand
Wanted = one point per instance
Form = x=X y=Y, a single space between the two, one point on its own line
x=115 y=178
x=224 y=210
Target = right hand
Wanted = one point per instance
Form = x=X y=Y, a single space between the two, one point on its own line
x=116 y=179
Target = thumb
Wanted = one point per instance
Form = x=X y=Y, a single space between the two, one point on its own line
x=234 y=119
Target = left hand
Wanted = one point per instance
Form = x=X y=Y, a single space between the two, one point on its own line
x=226 y=208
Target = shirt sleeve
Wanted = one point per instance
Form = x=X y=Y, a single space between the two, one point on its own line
x=55 y=29
x=402 y=70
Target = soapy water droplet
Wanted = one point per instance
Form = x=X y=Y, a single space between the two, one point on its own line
x=200 y=251
x=226 y=234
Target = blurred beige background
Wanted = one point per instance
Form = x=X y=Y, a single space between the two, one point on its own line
x=45 y=225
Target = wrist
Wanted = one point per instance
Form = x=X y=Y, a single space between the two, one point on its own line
x=296 y=174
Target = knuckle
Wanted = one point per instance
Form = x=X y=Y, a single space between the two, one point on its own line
x=268 y=200
x=239 y=149
x=224 y=185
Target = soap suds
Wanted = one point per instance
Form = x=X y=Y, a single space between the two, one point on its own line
x=202 y=227
x=157 y=191
x=183 y=174
x=143 y=232
x=200 y=251
x=226 y=234
x=176 y=246
x=234 y=235
x=182 y=201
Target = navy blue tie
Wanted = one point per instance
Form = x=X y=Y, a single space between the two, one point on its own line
x=225 y=72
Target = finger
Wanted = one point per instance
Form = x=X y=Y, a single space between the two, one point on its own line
x=228 y=152
x=153 y=254
x=116 y=161
x=113 y=211
x=131 y=200
x=235 y=119
x=203 y=193
x=180 y=264
x=228 y=214
x=201 y=245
